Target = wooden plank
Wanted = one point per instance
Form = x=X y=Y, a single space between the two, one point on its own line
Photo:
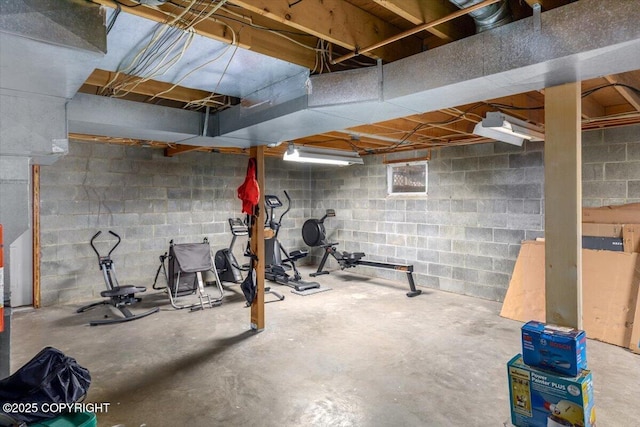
x=563 y=205
x=336 y=21
x=591 y=108
x=257 y=243
x=626 y=93
x=386 y=161
x=609 y=298
x=101 y=78
x=179 y=149
x=420 y=11
x=35 y=186
x=533 y=100
x=383 y=44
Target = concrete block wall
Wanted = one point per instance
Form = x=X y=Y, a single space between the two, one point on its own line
x=464 y=237
x=483 y=201
x=148 y=199
x=611 y=166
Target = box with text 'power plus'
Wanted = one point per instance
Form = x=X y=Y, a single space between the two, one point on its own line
x=546 y=399
x=556 y=348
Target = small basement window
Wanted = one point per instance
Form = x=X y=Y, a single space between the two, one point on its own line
x=407 y=178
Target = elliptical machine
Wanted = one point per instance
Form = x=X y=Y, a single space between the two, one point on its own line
x=276 y=267
x=229 y=270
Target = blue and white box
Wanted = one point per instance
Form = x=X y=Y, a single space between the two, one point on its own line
x=555 y=348
x=545 y=399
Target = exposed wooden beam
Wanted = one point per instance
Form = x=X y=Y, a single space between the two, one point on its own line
x=403 y=35
x=395 y=132
x=247 y=37
x=563 y=205
x=257 y=243
x=348 y=142
x=336 y=21
x=101 y=78
x=36 y=249
x=526 y=106
x=171 y=151
x=455 y=124
x=631 y=97
x=420 y=11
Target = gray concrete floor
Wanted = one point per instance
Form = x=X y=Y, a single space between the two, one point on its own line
x=362 y=354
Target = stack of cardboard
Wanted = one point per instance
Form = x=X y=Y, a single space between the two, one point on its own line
x=610 y=279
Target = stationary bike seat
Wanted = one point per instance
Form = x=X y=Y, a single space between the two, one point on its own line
x=122 y=290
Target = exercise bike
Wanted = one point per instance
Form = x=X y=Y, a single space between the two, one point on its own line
x=314 y=235
x=277 y=267
x=118 y=296
x=229 y=270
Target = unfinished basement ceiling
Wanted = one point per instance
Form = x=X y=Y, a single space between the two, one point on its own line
x=279 y=43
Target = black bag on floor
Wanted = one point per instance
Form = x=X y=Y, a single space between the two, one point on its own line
x=249 y=286
x=50 y=377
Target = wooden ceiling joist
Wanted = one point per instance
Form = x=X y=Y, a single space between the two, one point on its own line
x=631 y=97
x=420 y=11
x=101 y=78
x=290 y=29
x=336 y=21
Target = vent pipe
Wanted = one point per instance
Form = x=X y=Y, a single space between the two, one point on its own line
x=488 y=17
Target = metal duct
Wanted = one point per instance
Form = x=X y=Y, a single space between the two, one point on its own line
x=488 y=17
x=509 y=60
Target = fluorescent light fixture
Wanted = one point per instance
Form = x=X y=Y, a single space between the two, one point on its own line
x=508 y=129
x=321 y=155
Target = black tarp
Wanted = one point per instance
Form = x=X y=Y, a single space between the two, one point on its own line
x=49 y=377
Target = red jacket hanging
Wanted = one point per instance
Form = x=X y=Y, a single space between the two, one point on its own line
x=249 y=191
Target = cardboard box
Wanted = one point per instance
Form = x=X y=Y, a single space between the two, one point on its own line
x=634 y=341
x=602 y=230
x=556 y=348
x=631 y=237
x=542 y=399
x=609 y=291
x=622 y=214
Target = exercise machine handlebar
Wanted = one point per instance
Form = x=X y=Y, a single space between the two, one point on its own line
x=112 y=249
x=284 y=213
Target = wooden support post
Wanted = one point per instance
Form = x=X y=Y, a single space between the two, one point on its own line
x=563 y=205
x=257 y=243
x=35 y=185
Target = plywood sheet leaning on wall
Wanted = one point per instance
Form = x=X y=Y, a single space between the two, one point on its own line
x=610 y=283
x=524 y=300
x=609 y=294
